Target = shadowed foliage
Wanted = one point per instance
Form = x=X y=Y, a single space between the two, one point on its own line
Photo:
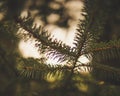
x=97 y=38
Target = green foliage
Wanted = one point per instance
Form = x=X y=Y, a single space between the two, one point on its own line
x=85 y=43
x=67 y=78
x=35 y=68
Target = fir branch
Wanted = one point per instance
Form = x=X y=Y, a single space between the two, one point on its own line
x=102 y=67
x=90 y=28
x=85 y=34
x=100 y=47
x=58 y=46
x=33 y=68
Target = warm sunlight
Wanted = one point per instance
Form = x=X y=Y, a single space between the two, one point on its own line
x=28 y=48
x=64 y=34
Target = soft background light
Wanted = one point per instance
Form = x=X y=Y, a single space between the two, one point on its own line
x=64 y=34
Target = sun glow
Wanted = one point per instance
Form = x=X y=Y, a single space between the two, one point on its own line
x=28 y=48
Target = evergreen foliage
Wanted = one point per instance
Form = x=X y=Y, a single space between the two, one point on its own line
x=67 y=79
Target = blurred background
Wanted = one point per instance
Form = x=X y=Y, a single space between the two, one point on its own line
x=60 y=18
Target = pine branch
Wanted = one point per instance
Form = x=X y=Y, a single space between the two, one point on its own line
x=58 y=46
x=91 y=27
x=82 y=39
x=102 y=67
x=87 y=34
x=83 y=36
x=88 y=28
x=33 y=68
x=100 y=47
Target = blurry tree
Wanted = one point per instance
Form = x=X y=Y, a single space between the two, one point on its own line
x=97 y=38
